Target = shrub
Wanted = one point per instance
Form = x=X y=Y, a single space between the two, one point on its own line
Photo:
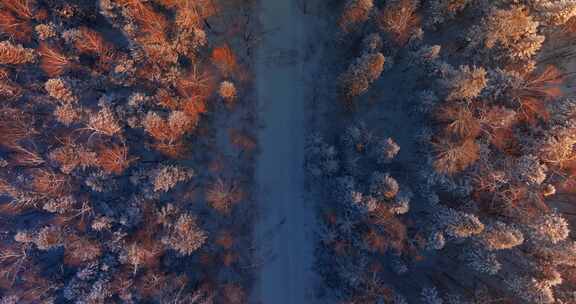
x=198 y=83
x=141 y=255
x=557 y=148
x=91 y=42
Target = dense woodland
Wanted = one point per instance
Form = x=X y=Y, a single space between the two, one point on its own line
x=484 y=213
x=128 y=145
x=125 y=149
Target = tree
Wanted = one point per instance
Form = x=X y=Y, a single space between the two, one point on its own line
x=52 y=61
x=482 y=260
x=399 y=19
x=223 y=195
x=114 y=159
x=384 y=151
x=185 y=236
x=383 y=186
x=548 y=229
x=15 y=17
x=458 y=224
x=552 y=12
x=227 y=91
x=62 y=90
x=441 y=10
x=500 y=236
x=104 y=122
x=11 y=54
x=225 y=59
x=465 y=83
x=429 y=295
x=356 y=80
x=169 y=132
x=459 y=120
x=167 y=177
x=514 y=31
x=529 y=170
x=531 y=290
x=453 y=157
x=355 y=13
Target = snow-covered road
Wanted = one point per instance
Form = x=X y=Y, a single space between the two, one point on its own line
x=284 y=228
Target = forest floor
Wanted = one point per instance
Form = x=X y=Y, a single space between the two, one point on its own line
x=283 y=230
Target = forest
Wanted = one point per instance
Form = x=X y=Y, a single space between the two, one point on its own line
x=287 y=151
x=125 y=151
x=467 y=195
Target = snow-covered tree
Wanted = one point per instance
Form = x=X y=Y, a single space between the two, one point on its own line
x=513 y=32
x=498 y=236
x=531 y=290
x=384 y=150
x=481 y=260
x=458 y=224
x=548 y=229
x=429 y=295
x=465 y=82
x=383 y=186
x=355 y=13
x=356 y=80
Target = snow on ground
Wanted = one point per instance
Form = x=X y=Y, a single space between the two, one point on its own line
x=283 y=231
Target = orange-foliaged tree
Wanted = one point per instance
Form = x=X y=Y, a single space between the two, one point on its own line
x=399 y=19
